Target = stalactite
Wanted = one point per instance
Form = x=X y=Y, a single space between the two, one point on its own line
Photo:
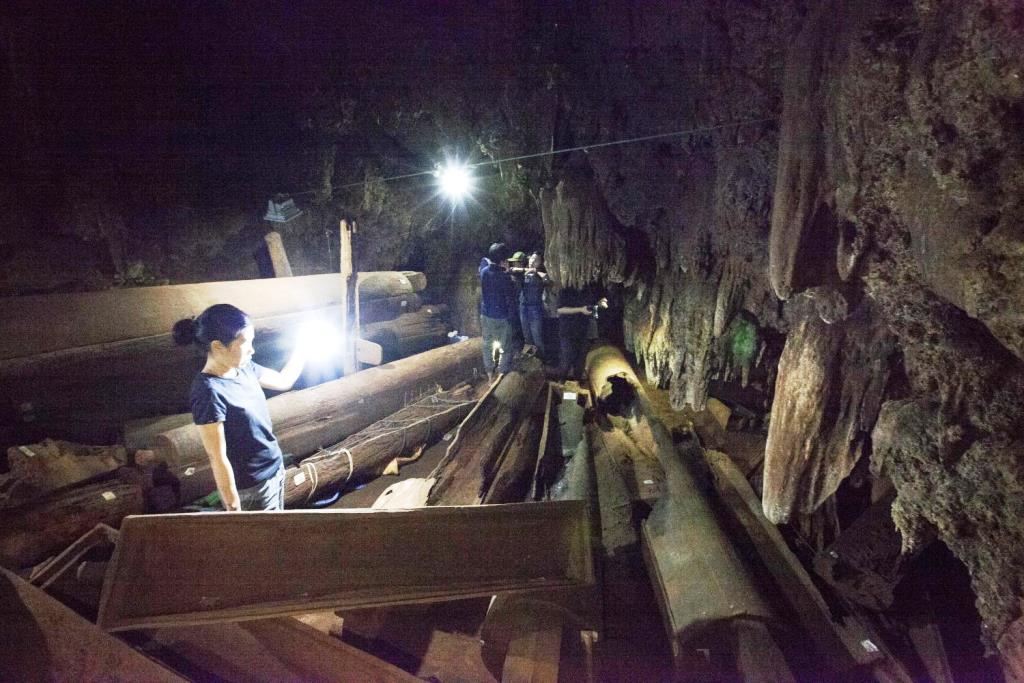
x=583 y=242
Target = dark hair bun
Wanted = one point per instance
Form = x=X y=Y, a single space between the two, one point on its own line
x=184 y=332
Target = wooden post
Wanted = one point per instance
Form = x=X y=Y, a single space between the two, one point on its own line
x=349 y=325
x=278 y=256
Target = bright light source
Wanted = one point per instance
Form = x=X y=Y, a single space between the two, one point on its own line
x=319 y=340
x=455 y=180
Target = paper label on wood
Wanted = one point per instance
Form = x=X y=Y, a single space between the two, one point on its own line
x=299 y=478
x=109 y=496
x=27 y=451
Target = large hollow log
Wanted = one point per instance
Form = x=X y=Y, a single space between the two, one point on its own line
x=88 y=318
x=382 y=284
x=31 y=533
x=409 y=333
x=307 y=420
x=698 y=577
x=465 y=475
x=364 y=455
x=387 y=308
x=56 y=393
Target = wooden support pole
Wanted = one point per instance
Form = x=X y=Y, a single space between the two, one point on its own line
x=349 y=301
x=278 y=255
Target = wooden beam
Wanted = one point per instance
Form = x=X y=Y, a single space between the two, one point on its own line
x=844 y=642
x=272 y=650
x=278 y=254
x=189 y=569
x=81 y=319
x=45 y=641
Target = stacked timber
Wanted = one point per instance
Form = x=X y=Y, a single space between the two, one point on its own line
x=99 y=359
x=366 y=454
x=305 y=421
x=33 y=532
x=409 y=333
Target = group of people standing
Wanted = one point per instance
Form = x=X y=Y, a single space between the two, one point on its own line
x=520 y=308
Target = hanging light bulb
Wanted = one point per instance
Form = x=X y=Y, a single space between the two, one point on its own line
x=455 y=181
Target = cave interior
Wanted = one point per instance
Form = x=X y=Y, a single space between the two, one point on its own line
x=806 y=216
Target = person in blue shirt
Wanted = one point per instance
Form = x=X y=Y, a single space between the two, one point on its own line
x=531 y=303
x=497 y=306
x=230 y=409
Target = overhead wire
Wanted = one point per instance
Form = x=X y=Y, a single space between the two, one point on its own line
x=566 y=150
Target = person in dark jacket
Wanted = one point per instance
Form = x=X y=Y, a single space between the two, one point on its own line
x=497 y=306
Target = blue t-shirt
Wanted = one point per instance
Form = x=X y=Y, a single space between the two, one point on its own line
x=240 y=404
x=498 y=292
x=531 y=297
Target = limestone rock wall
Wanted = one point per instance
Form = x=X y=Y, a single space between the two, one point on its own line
x=870 y=209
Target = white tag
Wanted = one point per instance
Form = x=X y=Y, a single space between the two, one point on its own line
x=108 y=496
x=299 y=478
x=648 y=481
x=189 y=471
x=447 y=437
x=569 y=396
x=27 y=451
x=404 y=303
x=868 y=646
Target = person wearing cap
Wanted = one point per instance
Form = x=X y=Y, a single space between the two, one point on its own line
x=497 y=307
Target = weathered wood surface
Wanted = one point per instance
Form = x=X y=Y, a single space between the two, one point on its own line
x=619 y=526
x=382 y=284
x=271 y=651
x=278 y=255
x=45 y=641
x=52 y=465
x=698 y=577
x=468 y=469
x=333 y=559
x=306 y=420
x=31 y=533
x=365 y=454
x=88 y=318
x=99 y=535
x=842 y=642
x=641 y=473
x=387 y=308
x=410 y=332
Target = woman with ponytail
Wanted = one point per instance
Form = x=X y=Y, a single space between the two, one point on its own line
x=230 y=409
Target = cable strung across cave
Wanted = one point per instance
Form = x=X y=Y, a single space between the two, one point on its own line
x=565 y=150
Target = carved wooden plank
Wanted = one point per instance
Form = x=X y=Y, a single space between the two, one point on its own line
x=186 y=569
x=45 y=641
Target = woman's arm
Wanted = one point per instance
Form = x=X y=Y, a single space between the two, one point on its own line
x=217 y=450
x=285 y=378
